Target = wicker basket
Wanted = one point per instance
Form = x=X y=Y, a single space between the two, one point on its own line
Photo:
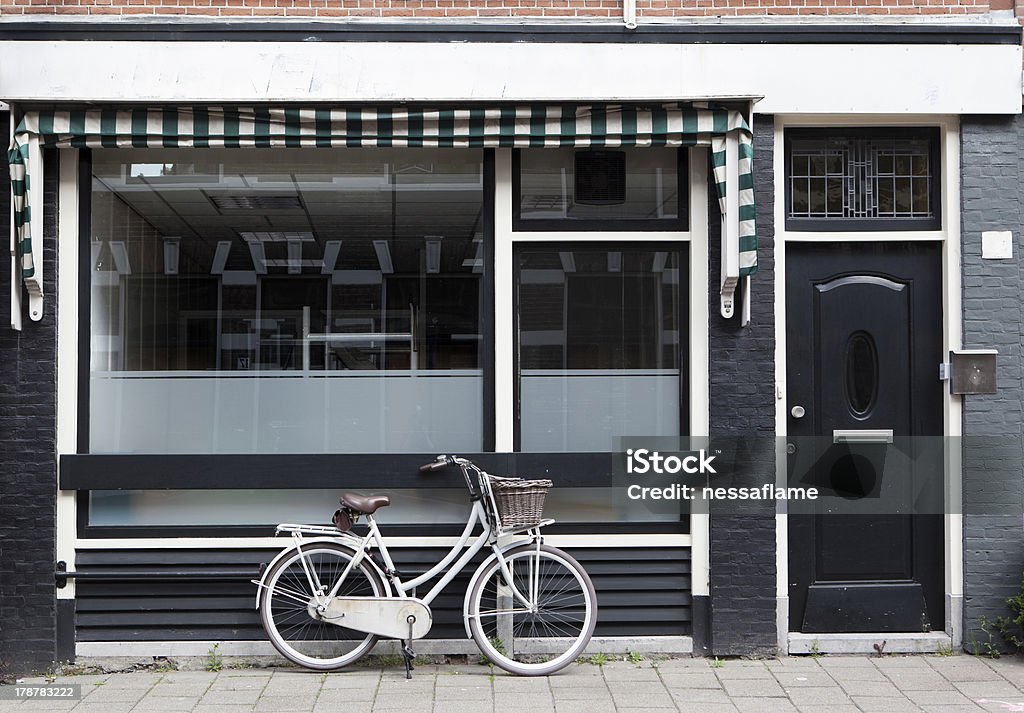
x=520 y=502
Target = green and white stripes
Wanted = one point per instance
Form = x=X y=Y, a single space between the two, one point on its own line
x=518 y=126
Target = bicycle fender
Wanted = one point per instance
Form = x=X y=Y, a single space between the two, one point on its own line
x=479 y=573
x=344 y=540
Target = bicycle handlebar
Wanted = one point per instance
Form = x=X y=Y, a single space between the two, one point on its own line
x=441 y=462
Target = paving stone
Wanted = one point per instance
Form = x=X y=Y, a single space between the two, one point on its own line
x=804 y=679
x=104 y=694
x=239 y=683
x=761 y=688
x=630 y=673
x=351 y=680
x=230 y=698
x=938 y=697
x=133 y=680
x=478 y=707
x=824 y=696
x=736 y=670
x=270 y=704
x=462 y=693
x=852 y=673
x=703 y=695
x=920 y=682
x=870 y=688
x=682 y=665
x=697 y=707
x=990 y=689
x=163 y=688
x=647 y=699
x=900 y=662
x=104 y=707
x=349 y=707
x=166 y=703
x=763 y=705
x=581 y=693
x=833 y=708
x=702 y=679
x=591 y=707
x=885 y=704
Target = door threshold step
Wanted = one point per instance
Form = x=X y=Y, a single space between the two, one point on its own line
x=930 y=643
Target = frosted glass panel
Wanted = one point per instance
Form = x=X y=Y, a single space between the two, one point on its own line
x=270 y=507
x=586 y=410
x=355 y=412
x=600 y=344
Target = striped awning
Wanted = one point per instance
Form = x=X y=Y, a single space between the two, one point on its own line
x=517 y=126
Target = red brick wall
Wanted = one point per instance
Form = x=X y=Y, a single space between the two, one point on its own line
x=584 y=9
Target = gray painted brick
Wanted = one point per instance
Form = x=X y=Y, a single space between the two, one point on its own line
x=993 y=458
x=28 y=468
x=742 y=404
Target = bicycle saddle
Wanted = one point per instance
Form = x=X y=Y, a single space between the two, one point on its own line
x=363 y=503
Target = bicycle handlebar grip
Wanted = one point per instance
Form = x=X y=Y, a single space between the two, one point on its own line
x=436 y=465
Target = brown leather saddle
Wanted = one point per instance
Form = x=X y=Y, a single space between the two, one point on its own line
x=366 y=504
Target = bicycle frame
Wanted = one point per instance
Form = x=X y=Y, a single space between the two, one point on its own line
x=405 y=590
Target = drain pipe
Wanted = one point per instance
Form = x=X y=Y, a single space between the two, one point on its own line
x=629 y=14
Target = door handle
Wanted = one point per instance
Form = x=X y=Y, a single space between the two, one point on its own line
x=862 y=435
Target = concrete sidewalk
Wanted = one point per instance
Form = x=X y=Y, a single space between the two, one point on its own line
x=890 y=684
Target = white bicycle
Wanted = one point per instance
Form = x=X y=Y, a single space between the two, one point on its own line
x=326 y=598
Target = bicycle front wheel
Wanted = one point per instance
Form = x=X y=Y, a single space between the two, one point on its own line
x=288 y=607
x=553 y=630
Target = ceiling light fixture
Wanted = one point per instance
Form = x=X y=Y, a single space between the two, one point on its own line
x=331 y=250
x=384 y=256
x=220 y=257
x=172 y=255
x=119 y=251
x=433 y=251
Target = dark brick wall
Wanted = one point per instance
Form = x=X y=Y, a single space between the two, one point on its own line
x=993 y=460
x=28 y=469
x=743 y=404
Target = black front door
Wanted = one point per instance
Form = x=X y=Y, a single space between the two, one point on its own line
x=864 y=338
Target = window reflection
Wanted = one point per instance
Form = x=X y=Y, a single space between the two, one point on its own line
x=599 y=345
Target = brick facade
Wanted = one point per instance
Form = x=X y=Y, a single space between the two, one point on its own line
x=652 y=10
x=28 y=465
x=743 y=601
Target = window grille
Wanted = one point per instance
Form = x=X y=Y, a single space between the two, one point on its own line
x=867 y=180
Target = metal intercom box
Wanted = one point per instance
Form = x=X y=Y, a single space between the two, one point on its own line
x=973 y=371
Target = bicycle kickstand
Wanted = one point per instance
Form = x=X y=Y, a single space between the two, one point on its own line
x=407 y=653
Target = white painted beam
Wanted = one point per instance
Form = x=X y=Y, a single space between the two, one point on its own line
x=929 y=79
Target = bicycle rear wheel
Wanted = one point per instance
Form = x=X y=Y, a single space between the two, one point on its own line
x=288 y=607
x=556 y=628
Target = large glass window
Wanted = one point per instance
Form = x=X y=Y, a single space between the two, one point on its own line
x=600 y=189
x=600 y=352
x=259 y=301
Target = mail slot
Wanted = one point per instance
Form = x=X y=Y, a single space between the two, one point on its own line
x=862 y=435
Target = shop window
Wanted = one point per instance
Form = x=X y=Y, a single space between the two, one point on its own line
x=421 y=506
x=601 y=345
x=600 y=189
x=870 y=179
x=265 y=301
